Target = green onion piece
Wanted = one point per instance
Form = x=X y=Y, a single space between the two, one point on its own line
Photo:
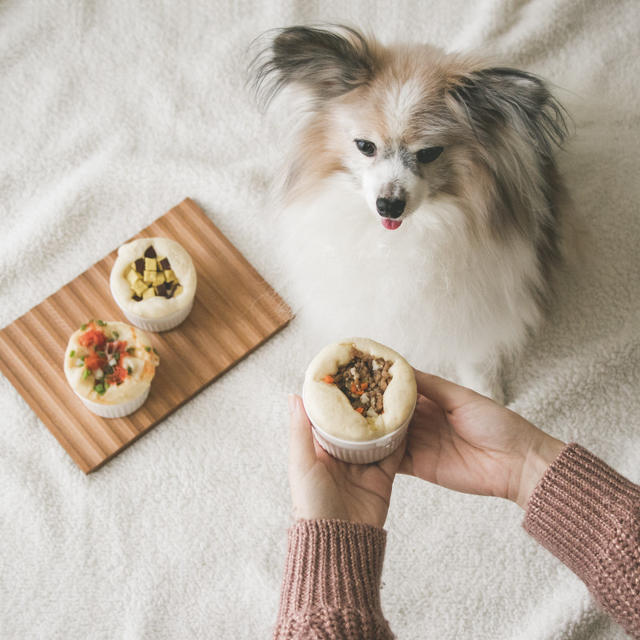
x=85 y=374
x=101 y=354
x=73 y=353
x=131 y=350
x=116 y=356
x=83 y=327
x=129 y=370
x=99 y=388
x=83 y=357
x=155 y=351
x=116 y=334
x=101 y=323
x=147 y=349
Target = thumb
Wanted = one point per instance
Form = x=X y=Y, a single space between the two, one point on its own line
x=447 y=395
x=301 y=449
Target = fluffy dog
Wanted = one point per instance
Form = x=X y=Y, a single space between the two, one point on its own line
x=421 y=199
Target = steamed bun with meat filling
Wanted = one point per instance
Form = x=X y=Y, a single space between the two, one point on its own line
x=359 y=390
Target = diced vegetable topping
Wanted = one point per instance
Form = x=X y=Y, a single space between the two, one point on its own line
x=105 y=355
x=152 y=276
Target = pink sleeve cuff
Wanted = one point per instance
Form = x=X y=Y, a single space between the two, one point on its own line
x=331 y=584
x=588 y=516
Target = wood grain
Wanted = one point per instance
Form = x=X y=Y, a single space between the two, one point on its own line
x=234 y=312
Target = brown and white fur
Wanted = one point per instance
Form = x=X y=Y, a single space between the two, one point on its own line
x=422 y=204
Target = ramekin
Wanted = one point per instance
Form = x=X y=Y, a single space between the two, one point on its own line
x=115 y=410
x=361 y=451
x=158 y=324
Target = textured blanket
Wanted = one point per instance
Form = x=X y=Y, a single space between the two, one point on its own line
x=111 y=113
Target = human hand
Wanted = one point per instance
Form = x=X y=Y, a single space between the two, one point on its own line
x=464 y=441
x=323 y=487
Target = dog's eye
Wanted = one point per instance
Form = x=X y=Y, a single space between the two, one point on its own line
x=424 y=156
x=366 y=147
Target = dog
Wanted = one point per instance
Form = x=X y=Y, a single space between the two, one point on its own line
x=421 y=202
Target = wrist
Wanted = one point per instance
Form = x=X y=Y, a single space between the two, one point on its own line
x=540 y=454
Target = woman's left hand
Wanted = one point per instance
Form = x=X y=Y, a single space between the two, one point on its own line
x=323 y=487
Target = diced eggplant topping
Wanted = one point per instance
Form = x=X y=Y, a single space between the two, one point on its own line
x=139 y=263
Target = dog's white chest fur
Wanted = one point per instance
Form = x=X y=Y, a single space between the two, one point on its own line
x=432 y=293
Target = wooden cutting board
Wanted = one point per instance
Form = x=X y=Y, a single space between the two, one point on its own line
x=234 y=312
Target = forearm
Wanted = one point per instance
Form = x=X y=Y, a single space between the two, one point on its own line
x=331 y=586
x=588 y=516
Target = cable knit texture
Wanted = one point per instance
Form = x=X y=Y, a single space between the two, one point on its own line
x=331 y=586
x=588 y=516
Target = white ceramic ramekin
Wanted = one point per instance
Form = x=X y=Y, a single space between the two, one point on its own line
x=361 y=451
x=115 y=410
x=158 y=324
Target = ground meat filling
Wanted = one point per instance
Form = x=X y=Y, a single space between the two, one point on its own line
x=363 y=380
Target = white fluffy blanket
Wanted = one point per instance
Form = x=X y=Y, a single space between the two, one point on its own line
x=111 y=113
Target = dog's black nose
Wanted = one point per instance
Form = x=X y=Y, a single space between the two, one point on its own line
x=390 y=208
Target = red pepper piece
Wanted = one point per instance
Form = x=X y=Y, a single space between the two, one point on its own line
x=93 y=338
x=118 y=376
x=93 y=361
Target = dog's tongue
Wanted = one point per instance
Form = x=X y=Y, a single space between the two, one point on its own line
x=388 y=223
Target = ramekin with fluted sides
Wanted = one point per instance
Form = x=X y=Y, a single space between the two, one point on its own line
x=153 y=281
x=110 y=366
x=116 y=410
x=364 y=452
x=358 y=415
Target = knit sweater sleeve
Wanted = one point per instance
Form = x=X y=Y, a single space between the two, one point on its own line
x=588 y=516
x=331 y=586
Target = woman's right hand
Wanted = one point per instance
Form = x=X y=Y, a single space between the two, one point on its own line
x=464 y=441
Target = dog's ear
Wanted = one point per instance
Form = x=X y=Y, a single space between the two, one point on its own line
x=502 y=96
x=328 y=63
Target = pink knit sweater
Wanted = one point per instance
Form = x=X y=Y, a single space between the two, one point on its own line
x=582 y=511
